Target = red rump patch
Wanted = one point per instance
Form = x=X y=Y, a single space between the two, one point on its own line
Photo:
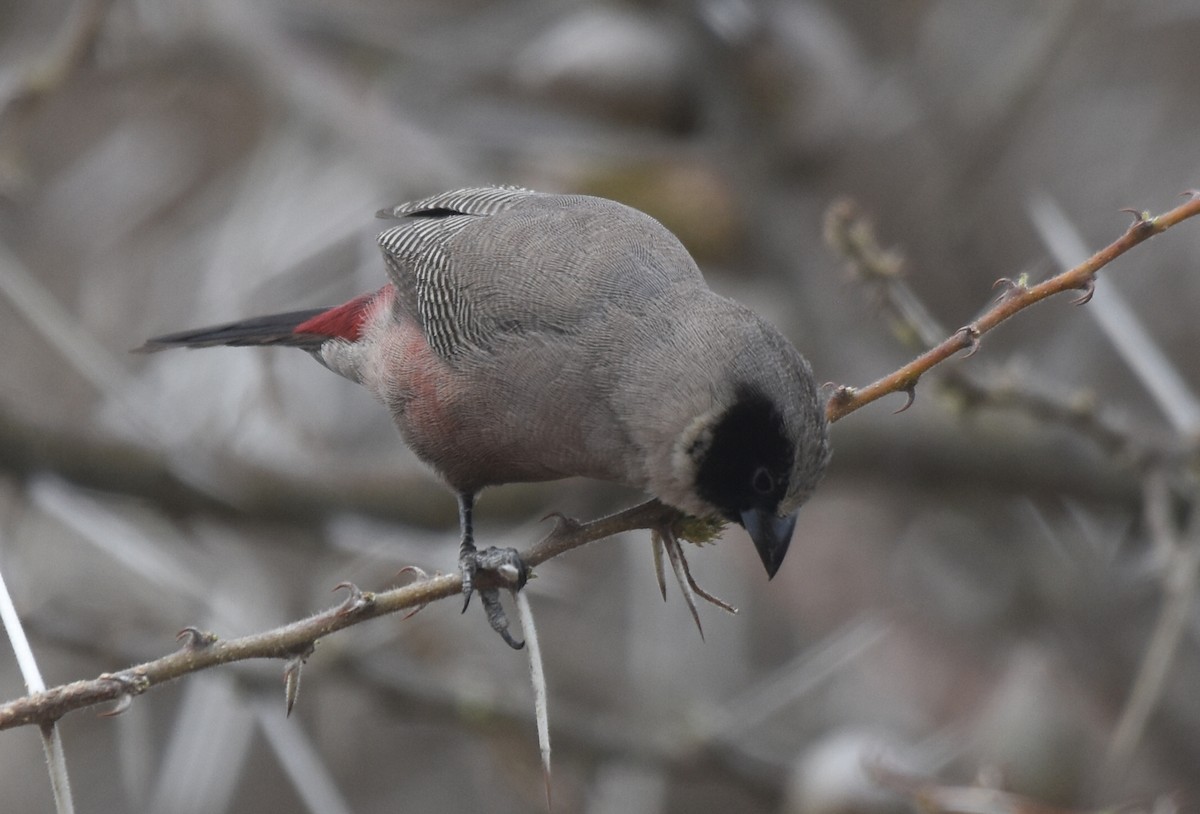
x=344 y=321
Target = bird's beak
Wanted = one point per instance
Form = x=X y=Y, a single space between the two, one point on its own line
x=771 y=535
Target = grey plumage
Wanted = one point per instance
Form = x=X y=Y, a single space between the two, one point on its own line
x=527 y=336
x=587 y=339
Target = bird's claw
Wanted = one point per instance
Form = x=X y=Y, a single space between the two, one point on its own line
x=468 y=564
x=509 y=568
x=490 y=597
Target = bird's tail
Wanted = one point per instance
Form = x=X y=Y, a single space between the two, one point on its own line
x=274 y=329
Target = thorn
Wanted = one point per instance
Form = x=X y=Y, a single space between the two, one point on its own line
x=291 y=682
x=703 y=594
x=911 y=392
x=1139 y=215
x=1190 y=193
x=123 y=703
x=972 y=335
x=1010 y=286
x=356 y=599
x=194 y=638
x=662 y=538
x=1142 y=220
x=562 y=523
x=679 y=566
x=656 y=546
x=1088 y=287
x=490 y=597
x=414 y=569
x=421 y=575
x=706 y=596
x=130 y=685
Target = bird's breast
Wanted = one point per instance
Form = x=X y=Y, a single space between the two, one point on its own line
x=512 y=414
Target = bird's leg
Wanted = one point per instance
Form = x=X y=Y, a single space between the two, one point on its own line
x=468 y=556
x=506 y=563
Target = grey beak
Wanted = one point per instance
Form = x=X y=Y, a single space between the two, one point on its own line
x=771 y=535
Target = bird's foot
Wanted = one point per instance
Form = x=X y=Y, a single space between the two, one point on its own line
x=510 y=570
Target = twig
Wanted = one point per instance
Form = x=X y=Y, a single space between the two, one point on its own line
x=202 y=650
x=1016 y=298
x=537 y=678
x=56 y=760
x=851 y=235
x=1122 y=326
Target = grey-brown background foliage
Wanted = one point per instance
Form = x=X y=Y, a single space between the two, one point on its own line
x=964 y=591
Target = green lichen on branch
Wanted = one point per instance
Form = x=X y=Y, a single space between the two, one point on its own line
x=699 y=530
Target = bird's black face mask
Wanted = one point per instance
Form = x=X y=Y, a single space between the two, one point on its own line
x=744 y=472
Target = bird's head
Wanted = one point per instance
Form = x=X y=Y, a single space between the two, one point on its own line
x=755 y=446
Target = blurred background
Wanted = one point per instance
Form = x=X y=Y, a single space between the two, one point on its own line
x=973 y=591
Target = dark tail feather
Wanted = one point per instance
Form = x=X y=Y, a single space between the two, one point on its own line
x=275 y=329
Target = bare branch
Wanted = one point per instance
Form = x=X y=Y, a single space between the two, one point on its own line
x=203 y=650
x=846 y=400
x=1120 y=324
x=537 y=677
x=56 y=759
x=851 y=234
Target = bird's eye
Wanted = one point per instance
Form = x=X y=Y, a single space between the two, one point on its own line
x=762 y=482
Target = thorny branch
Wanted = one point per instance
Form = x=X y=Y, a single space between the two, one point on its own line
x=1016 y=297
x=295 y=641
x=849 y=233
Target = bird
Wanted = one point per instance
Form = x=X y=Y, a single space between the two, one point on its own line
x=525 y=336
